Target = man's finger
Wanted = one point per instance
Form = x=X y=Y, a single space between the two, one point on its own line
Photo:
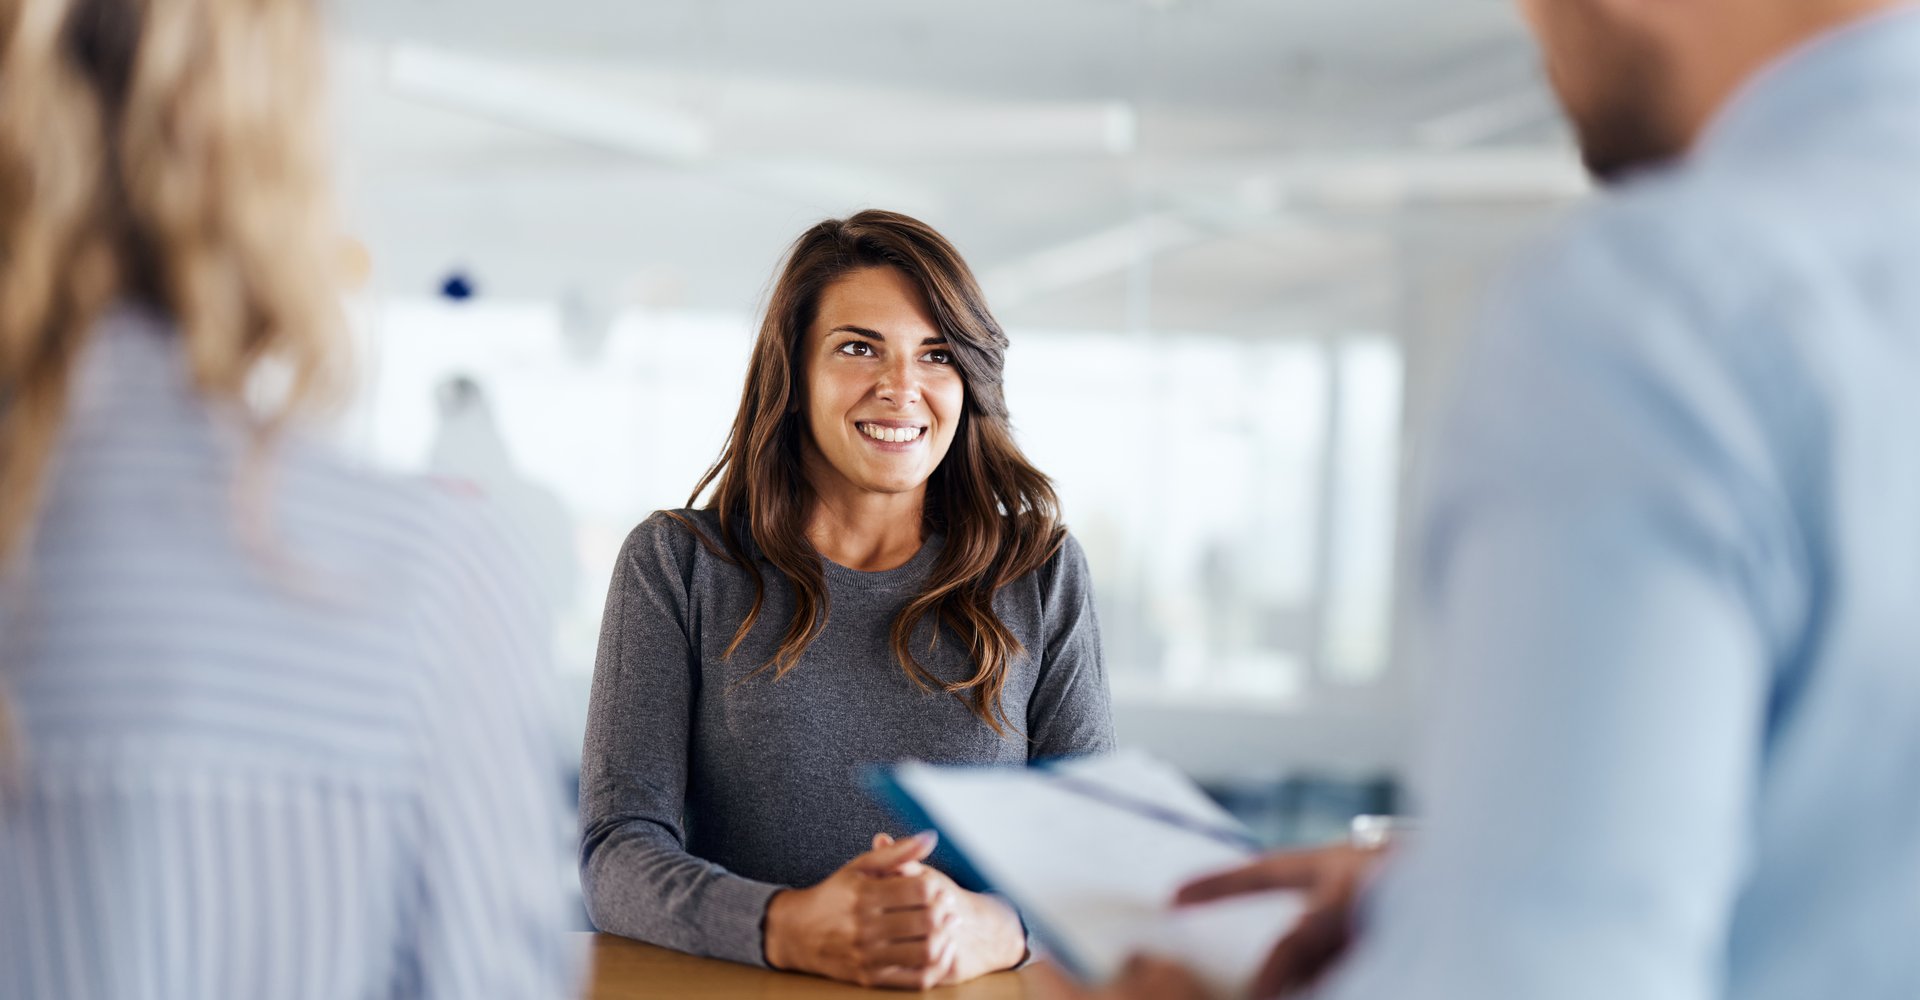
x=1148 y=978
x=1314 y=945
x=1054 y=984
x=1144 y=978
x=1289 y=870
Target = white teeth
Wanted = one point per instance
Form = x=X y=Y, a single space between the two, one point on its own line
x=890 y=434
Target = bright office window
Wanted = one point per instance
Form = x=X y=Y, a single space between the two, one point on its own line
x=1236 y=497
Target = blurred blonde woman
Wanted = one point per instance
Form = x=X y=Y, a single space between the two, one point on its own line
x=270 y=727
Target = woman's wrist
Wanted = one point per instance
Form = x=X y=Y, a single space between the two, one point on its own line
x=1009 y=940
x=775 y=929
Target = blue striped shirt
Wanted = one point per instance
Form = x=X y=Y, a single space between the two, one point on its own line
x=281 y=737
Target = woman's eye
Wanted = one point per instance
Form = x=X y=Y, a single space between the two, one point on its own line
x=938 y=357
x=856 y=349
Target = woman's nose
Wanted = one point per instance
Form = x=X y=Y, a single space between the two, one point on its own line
x=899 y=383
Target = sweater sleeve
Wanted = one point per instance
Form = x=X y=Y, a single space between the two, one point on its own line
x=1071 y=711
x=637 y=877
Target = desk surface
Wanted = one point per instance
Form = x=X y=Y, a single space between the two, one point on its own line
x=629 y=970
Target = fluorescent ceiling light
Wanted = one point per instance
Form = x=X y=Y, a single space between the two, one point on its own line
x=541 y=104
x=1389 y=180
x=1487 y=120
x=1080 y=260
x=940 y=127
x=832 y=187
x=758 y=118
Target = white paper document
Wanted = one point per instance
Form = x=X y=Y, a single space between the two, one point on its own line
x=1092 y=851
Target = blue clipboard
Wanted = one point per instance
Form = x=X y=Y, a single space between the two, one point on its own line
x=952 y=858
x=949 y=857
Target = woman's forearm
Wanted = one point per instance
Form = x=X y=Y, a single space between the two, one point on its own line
x=637 y=883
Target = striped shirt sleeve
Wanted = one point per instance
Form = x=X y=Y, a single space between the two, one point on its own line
x=491 y=915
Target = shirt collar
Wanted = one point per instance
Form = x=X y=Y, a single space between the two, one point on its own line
x=1833 y=80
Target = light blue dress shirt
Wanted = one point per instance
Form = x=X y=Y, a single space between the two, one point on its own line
x=1668 y=579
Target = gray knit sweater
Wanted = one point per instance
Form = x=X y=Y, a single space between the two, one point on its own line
x=701 y=793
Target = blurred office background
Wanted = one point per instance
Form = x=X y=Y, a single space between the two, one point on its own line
x=1235 y=242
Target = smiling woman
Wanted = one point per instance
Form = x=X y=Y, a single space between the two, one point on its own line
x=878 y=574
x=883 y=407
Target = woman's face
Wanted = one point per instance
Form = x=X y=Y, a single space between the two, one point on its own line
x=883 y=398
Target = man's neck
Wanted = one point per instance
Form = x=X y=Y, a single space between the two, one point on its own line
x=1729 y=51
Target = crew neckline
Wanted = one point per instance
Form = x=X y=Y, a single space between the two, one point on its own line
x=871 y=579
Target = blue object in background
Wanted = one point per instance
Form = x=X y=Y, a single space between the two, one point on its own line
x=457 y=286
x=1305 y=810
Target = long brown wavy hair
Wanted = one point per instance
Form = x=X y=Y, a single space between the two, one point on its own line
x=998 y=513
x=165 y=153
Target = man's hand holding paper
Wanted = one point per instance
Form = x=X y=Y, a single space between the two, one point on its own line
x=1093 y=852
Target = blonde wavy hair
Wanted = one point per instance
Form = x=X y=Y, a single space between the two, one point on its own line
x=166 y=153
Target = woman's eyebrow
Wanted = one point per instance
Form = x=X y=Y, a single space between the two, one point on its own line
x=870 y=335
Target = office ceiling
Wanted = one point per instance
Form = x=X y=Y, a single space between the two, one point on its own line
x=1239 y=166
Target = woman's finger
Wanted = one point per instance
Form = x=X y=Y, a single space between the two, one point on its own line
x=946 y=961
x=885 y=859
x=882 y=894
x=903 y=979
x=902 y=925
x=938 y=969
x=919 y=953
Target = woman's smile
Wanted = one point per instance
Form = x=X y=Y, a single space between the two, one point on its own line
x=883 y=394
x=892 y=435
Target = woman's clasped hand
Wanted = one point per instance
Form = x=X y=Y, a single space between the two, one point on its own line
x=888 y=919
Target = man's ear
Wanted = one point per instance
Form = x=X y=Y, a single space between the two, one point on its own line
x=1530 y=12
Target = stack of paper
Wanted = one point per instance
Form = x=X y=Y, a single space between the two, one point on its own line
x=1092 y=851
